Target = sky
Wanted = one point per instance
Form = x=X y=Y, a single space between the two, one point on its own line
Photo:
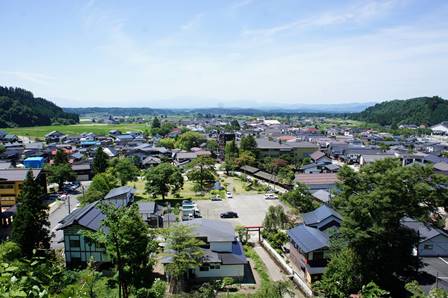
x=215 y=53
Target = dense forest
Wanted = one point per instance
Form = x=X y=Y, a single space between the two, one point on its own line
x=421 y=110
x=19 y=108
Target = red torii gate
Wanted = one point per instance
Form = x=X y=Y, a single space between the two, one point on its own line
x=253 y=229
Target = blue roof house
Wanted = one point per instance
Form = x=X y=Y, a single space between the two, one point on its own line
x=34 y=162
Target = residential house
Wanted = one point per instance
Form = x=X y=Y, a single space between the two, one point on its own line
x=274 y=149
x=11 y=181
x=35 y=162
x=83 y=171
x=433 y=241
x=320 y=157
x=441 y=167
x=151 y=213
x=54 y=137
x=223 y=252
x=309 y=242
x=440 y=129
x=78 y=248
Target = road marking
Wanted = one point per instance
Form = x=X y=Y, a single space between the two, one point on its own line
x=443 y=260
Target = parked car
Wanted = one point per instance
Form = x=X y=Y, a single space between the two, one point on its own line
x=216 y=198
x=270 y=196
x=229 y=195
x=229 y=214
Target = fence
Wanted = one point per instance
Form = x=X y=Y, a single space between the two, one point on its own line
x=306 y=290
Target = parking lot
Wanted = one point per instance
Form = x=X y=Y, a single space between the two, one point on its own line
x=251 y=208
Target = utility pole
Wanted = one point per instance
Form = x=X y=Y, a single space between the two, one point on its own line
x=68 y=201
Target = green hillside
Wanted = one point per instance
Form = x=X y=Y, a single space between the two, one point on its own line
x=19 y=108
x=421 y=110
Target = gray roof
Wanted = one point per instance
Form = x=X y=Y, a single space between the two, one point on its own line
x=118 y=191
x=425 y=231
x=81 y=167
x=441 y=166
x=214 y=230
x=318 y=215
x=317 y=155
x=263 y=143
x=308 y=239
x=88 y=216
x=322 y=195
x=186 y=155
x=17 y=174
x=146 y=207
x=249 y=169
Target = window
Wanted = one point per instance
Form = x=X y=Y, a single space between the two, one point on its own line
x=75 y=243
x=318 y=255
x=215 y=267
x=427 y=246
x=204 y=268
x=7 y=186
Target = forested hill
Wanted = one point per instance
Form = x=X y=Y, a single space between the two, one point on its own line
x=19 y=107
x=421 y=110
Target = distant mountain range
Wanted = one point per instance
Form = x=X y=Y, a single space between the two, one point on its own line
x=299 y=108
x=19 y=107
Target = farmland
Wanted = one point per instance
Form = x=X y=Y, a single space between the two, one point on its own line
x=97 y=128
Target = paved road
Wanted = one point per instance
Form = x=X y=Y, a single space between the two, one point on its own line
x=273 y=269
x=250 y=208
x=56 y=216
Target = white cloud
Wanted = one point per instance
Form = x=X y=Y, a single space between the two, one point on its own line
x=241 y=4
x=353 y=14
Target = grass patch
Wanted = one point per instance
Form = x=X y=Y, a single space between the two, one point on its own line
x=260 y=267
x=96 y=128
x=186 y=192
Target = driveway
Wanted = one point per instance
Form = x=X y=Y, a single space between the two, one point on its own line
x=434 y=273
x=251 y=209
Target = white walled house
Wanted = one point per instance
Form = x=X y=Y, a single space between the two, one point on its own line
x=441 y=128
x=223 y=253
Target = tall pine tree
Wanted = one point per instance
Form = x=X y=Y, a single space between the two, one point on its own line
x=30 y=228
x=100 y=161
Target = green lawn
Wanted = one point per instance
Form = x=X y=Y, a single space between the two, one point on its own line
x=97 y=128
x=186 y=193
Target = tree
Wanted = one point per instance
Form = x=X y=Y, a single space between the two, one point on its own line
x=275 y=219
x=162 y=179
x=59 y=173
x=248 y=143
x=190 y=139
x=417 y=292
x=184 y=251
x=231 y=150
x=130 y=244
x=100 y=161
x=286 y=175
x=373 y=202
x=168 y=143
x=125 y=170
x=30 y=229
x=234 y=124
x=155 y=123
x=245 y=158
x=300 y=198
x=202 y=171
x=212 y=145
x=100 y=186
x=60 y=158
x=2 y=148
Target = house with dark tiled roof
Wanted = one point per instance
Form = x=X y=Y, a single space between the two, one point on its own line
x=223 y=252
x=433 y=242
x=78 y=248
x=309 y=242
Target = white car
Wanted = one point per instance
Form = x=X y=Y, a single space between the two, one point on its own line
x=270 y=196
x=229 y=195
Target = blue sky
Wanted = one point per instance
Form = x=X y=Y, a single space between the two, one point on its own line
x=245 y=53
